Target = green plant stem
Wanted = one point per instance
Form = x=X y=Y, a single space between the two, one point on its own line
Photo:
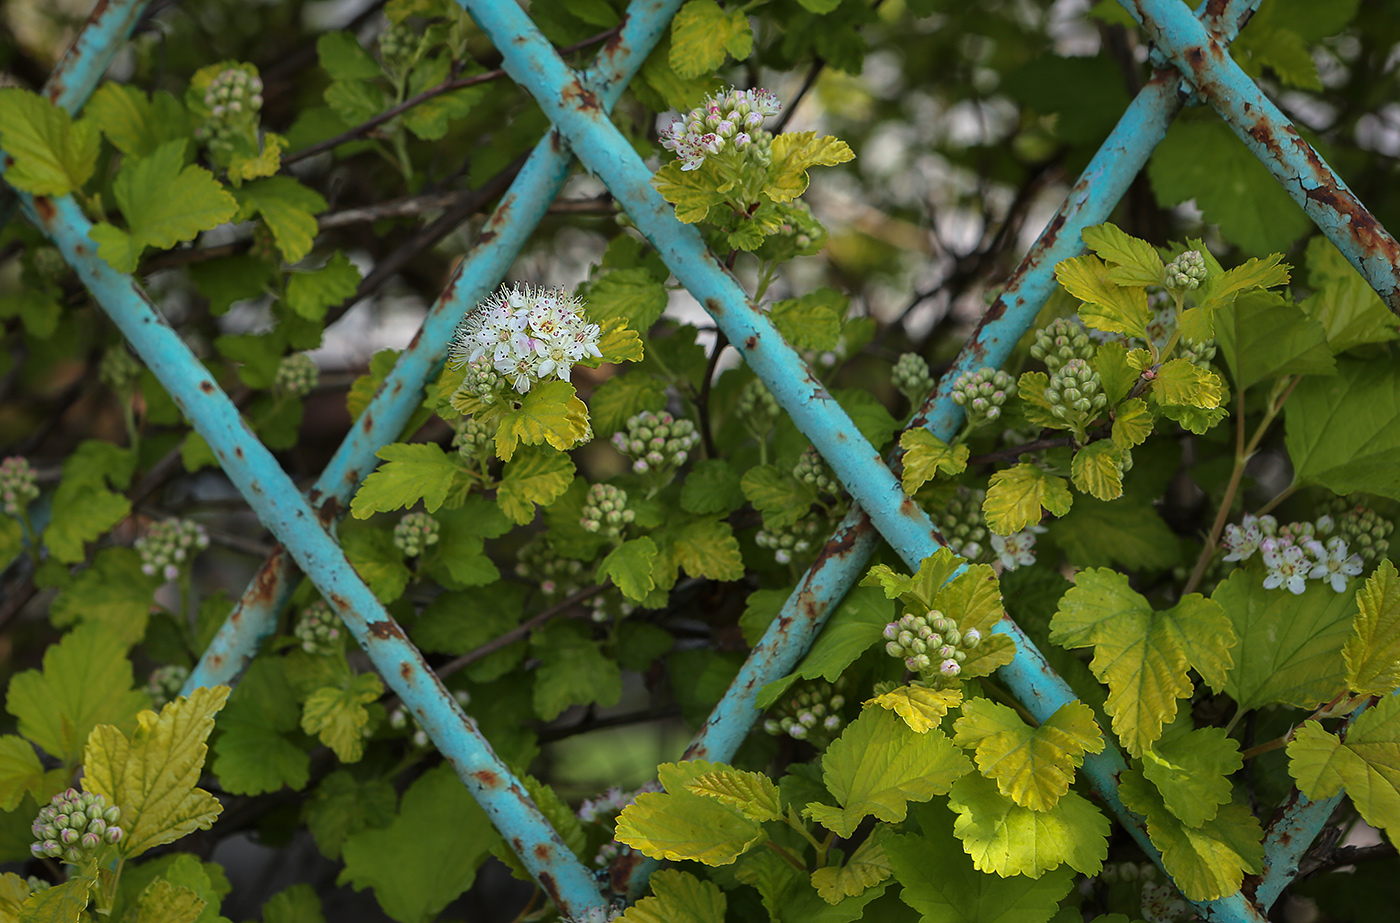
x=1243 y=453
x=1282 y=496
x=787 y=856
x=1275 y=744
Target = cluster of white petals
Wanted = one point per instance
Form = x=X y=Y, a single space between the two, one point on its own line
x=1017 y=549
x=1293 y=554
x=527 y=334
x=725 y=120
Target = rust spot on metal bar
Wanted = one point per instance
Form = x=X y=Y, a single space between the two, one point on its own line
x=621 y=871
x=265 y=583
x=542 y=852
x=551 y=887
x=44 y=206
x=580 y=97
x=206 y=386
x=406 y=671
x=238 y=451
x=487 y=778
x=751 y=342
x=385 y=629
x=714 y=307
x=340 y=602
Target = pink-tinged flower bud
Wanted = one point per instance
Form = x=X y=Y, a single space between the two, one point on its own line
x=971 y=638
x=68 y=836
x=113 y=835
x=91 y=841
x=949 y=668
x=891 y=631
x=894 y=649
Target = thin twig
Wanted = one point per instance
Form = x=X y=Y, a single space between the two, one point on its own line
x=521 y=630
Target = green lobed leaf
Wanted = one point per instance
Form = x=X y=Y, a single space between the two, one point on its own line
x=707 y=548
x=1125 y=531
x=794 y=152
x=289 y=210
x=297 y=904
x=941 y=882
x=1343 y=302
x=63 y=903
x=341 y=807
x=378 y=561
x=712 y=486
x=867 y=867
x=752 y=793
x=693 y=192
x=1289 y=648
x=572 y=671
x=342 y=56
x=412 y=472
x=973 y=600
x=624 y=396
x=852 y=630
x=1016 y=495
x=1096 y=470
x=1032 y=766
x=1180 y=381
x=536 y=475
x=1343 y=432
x=679 y=824
x=1115 y=373
x=1133 y=261
x=1205 y=862
x=163 y=902
x=337 y=716
x=1373 y=651
x=1366 y=764
x=678 y=897
x=925 y=456
x=920 y=590
x=252 y=755
x=86 y=682
x=1004 y=838
x=51 y=155
x=1132 y=423
x=1144 y=656
x=135 y=123
x=438 y=840
x=921 y=707
x=549 y=412
x=151 y=774
x=1191 y=768
x=1107 y=306
x=812 y=322
x=629 y=566
x=702 y=34
x=633 y=295
x=21 y=773
x=113 y=592
x=309 y=294
x=1263 y=335
x=164 y=202
x=878 y=765
x=781 y=498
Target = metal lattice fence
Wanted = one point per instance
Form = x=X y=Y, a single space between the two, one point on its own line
x=1193 y=67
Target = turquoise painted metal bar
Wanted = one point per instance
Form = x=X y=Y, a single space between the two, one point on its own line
x=521 y=209
x=282 y=508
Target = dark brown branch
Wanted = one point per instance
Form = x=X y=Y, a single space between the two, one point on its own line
x=521 y=630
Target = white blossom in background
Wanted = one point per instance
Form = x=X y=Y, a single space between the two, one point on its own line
x=1017 y=549
x=527 y=334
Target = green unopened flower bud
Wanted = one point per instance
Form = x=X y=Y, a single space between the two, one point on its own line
x=1060 y=341
x=1198 y=353
x=474 y=439
x=605 y=511
x=119 y=370
x=165 y=683
x=792 y=542
x=1075 y=393
x=1186 y=272
x=319 y=629
x=297 y=375
x=169 y=546
x=232 y=99
x=557 y=576
x=19 y=485
x=414 y=533
x=982 y=393
x=812 y=469
x=911 y=377
x=757 y=408
x=74 y=826
x=658 y=443
x=481 y=383
x=400 y=44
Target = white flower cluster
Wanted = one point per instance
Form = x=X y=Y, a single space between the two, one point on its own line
x=1293 y=553
x=725 y=120
x=609 y=804
x=527 y=334
x=168 y=545
x=1018 y=548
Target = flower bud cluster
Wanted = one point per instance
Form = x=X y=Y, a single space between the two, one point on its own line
x=1296 y=552
x=168 y=545
x=526 y=335
x=1060 y=341
x=605 y=511
x=811 y=712
x=812 y=469
x=414 y=533
x=1197 y=352
x=961 y=524
x=19 y=484
x=1017 y=549
x=556 y=575
x=118 y=370
x=609 y=853
x=74 y=826
x=791 y=541
x=481 y=382
x=982 y=393
x=757 y=407
x=609 y=606
x=473 y=439
x=165 y=683
x=656 y=442
x=605 y=808
x=400 y=44
x=318 y=629
x=1075 y=391
x=1362 y=528
x=48 y=264
x=911 y=377
x=930 y=643
x=401 y=719
x=233 y=99
x=297 y=375
x=726 y=121
x=1186 y=272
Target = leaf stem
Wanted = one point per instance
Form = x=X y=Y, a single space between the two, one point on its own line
x=787 y=856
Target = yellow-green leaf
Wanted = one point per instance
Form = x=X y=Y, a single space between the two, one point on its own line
x=693 y=192
x=14 y=891
x=1016 y=495
x=537 y=475
x=796 y=151
x=1132 y=423
x=867 y=867
x=629 y=566
x=1107 y=306
x=620 y=343
x=337 y=715
x=702 y=33
x=63 y=903
x=549 y=412
x=678 y=897
x=921 y=708
x=1007 y=839
x=52 y=154
x=163 y=902
x=1032 y=766
x=878 y=765
x=1037 y=408
x=973 y=600
x=1373 y=651
x=1135 y=261
x=1095 y=470
x=411 y=472
x=678 y=824
x=1144 y=656
x=1206 y=862
x=1191 y=769
x=925 y=455
x=1179 y=381
x=152 y=774
x=1367 y=764
x=708 y=548
x=753 y=793
x=21 y=773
